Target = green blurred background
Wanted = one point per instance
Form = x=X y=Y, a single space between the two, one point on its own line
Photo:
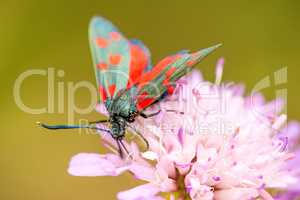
x=259 y=38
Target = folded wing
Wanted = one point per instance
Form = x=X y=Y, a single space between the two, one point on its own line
x=161 y=79
x=118 y=62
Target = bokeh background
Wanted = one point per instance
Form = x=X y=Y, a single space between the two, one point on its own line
x=259 y=38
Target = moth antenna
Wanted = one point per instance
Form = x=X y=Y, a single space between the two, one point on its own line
x=57 y=127
x=99 y=121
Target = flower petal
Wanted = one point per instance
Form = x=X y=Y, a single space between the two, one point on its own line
x=150 y=155
x=92 y=164
x=290 y=195
x=142 y=192
x=236 y=194
x=195 y=77
x=219 y=71
x=142 y=172
x=292 y=131
x=101 y=109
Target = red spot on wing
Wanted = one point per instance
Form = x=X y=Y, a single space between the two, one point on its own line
x=138 y=62
x=112 y=89
x=144 y=100
x=180 y=55
x=170 y=71
x=115 y=36
x=102 y=93
x=102 y=66
x=190 y=63
x=166 y=82
x=156 y=70
x=101 y=42
x=115 y=59
x=170 y=89
x=144 y=103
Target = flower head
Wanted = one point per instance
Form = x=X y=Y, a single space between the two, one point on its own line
x=208 y=142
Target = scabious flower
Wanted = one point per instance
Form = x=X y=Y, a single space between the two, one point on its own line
x=208 y=142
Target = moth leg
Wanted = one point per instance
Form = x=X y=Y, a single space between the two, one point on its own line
x=149 y=115
x=175 y=111
x=119 y=148
x=124 y=147
x=141 y=136
x=99 y=121
x=56 y=127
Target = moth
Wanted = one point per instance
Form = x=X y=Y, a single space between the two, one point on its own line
x=127 y=82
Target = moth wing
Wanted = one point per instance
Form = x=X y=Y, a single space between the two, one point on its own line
x=144 y=49
x=161 y=79
x=117 y=61
x=140 y=61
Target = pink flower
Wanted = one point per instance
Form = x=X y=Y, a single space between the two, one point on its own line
x=208 y=142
